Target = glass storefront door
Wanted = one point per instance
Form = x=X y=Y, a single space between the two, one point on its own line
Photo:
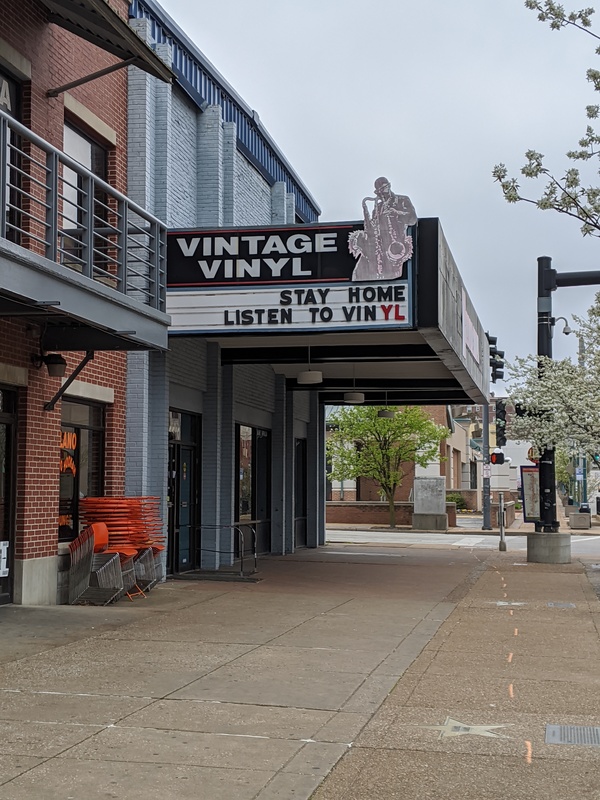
x=184 y=545
x=253 y=488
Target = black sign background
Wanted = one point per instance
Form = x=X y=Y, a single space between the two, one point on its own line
x=323 y=267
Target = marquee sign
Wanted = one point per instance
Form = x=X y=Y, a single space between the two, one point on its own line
x=354 y=275
x=337 y=307
x=259 y=256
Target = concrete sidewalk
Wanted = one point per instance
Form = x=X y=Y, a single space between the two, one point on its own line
x=470 y=717
x=394 y=668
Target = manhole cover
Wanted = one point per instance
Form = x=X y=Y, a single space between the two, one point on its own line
x=573 y=734
x=561 y=605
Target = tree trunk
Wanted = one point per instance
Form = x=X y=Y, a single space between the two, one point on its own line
x=392 y=507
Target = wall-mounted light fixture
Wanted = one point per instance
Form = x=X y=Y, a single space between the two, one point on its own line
x=310 y=376
x=55 y=363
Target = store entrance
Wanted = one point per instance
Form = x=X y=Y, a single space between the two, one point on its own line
x=7 y=472
x=184 y=493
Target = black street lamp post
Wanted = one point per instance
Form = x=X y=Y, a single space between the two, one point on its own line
x=546 y=278
x=549 y=280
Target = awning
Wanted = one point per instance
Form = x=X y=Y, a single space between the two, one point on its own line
x=96 y=22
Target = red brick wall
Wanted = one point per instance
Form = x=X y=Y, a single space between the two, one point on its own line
x=58 y=57
x=377 y=513
x=38 y=437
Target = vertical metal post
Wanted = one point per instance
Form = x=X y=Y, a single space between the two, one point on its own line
x=487 y=510
x=584 y=486
x=502 y=543
x=5 y=175
x=52 y=205
x=548 y=522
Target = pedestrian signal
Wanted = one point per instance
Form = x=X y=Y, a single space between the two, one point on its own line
x=497 y=458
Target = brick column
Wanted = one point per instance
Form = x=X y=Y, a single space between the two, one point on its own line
x=210 y=167
x=278 y=204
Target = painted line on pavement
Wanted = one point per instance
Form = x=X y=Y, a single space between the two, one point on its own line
x=468 y=541
x=353 y=553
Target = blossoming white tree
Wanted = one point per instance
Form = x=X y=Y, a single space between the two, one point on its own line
x=560 y=399
x=568 y=193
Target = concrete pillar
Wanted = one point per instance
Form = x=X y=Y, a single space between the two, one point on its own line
x=430 y=504
x=211 y=461
x=279 y=488
x=147 y=425
x=290 y=474
x=313 y=479
x=549 y=548
x=226 y=497
x=321 y=522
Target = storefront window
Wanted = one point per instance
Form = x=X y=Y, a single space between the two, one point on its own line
x=245 y=469
x=81 y=462
x=254 y=468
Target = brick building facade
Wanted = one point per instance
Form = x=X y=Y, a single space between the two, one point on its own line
x=60 y=294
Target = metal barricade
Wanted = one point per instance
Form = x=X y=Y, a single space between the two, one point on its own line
x=238 y=532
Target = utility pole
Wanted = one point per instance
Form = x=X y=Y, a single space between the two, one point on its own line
x=546 y=282
x=487 y=509
x=584 y=487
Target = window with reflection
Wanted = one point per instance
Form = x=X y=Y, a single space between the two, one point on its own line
x=81 y=462
x=245 y=473
x=254 y=473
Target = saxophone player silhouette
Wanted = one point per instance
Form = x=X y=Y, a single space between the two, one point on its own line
x=382 y=248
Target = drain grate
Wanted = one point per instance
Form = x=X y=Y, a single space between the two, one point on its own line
x=573 y=734
x=561 y=605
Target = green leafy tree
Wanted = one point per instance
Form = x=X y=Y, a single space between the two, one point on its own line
x=362 y=444
x=568 y=192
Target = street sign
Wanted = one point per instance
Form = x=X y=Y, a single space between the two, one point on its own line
x=487 y=471
x=532 y=457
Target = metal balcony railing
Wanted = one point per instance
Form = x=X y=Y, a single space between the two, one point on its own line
x=53 y=206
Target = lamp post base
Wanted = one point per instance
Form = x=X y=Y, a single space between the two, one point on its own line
x=549 y=548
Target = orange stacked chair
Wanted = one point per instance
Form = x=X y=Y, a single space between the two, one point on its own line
x=134 y=524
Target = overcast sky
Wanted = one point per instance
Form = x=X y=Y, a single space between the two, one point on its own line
x=431 y=94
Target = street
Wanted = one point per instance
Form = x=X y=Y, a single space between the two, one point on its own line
x=585 y=546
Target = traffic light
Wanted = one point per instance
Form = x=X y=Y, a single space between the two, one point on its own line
x=596 y=459
x=496 y=458
x=496 y=358
x=500 y=423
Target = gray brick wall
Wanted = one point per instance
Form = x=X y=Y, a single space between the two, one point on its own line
x=252 y=195
x=187 y=362
x=255 y=386
x=183 y=163
x=302 y=406
x=184 y=166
